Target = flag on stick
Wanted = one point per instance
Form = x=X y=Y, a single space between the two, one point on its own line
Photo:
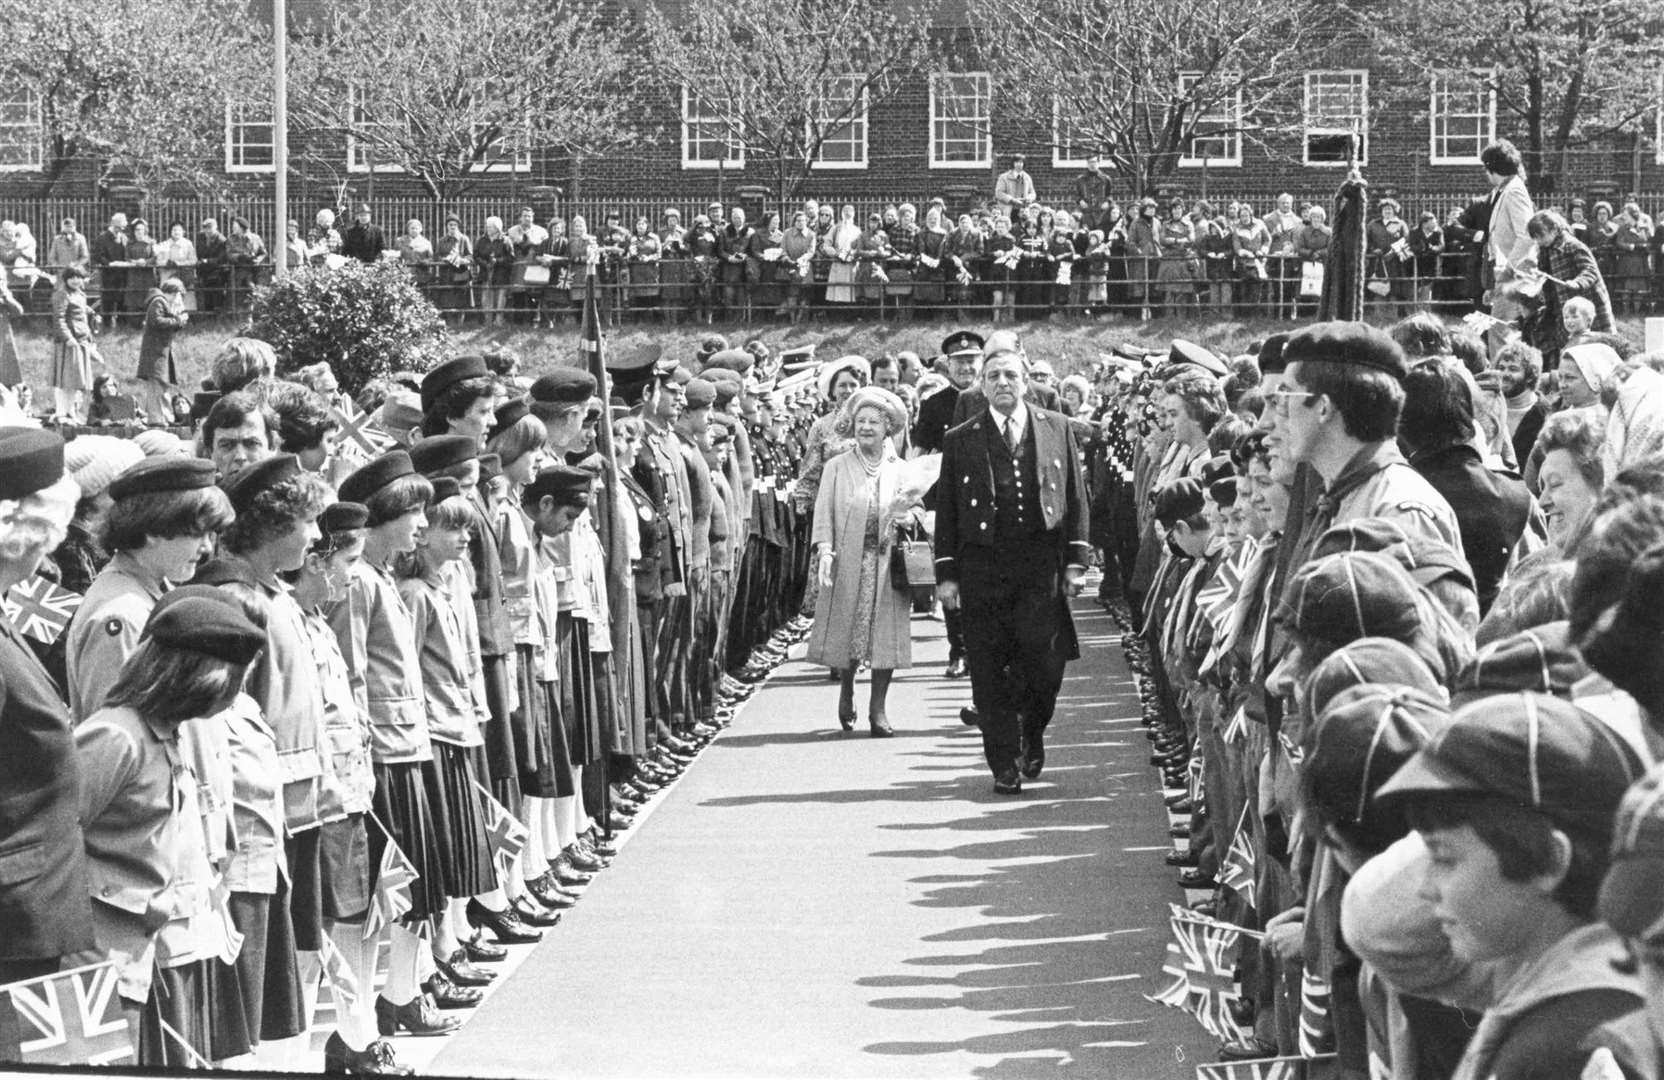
x=72 y=1018
x=38 y=609
x=1317 y=1026
x=359 y=430
x=503 y=832
x=1237 y=869
x=342 y=984
x=1276 y=1068
x=393 y=880
x=1201 y=961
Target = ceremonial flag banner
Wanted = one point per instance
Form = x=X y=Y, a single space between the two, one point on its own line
x=1282 y=1068
x=1237 y=870
x=360 y=431
x=1201 y=960
x=503 y=832
x=72 y=1018
x=38 y=609
x=393 y=882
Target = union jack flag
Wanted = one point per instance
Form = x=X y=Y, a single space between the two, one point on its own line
x=1237 y=729
x=1317 y=1026
x=393 y=882
x=38 y=609
x=1277 y=1068
x=342 y=984
x=1236 y=871
x=359 y=430
x=1218 y=597
x=1200 y=958
x=1193 y=778
x=506 y=835
x=72 y=1018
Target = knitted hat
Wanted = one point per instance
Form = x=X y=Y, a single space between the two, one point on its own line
x=1341 y=598
x=1358 y=743
x=94 y=461
x=155 y=442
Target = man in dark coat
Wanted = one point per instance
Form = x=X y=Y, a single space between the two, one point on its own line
x=363 y=241
x=108 y=248
x=1465 y=234
x=1011 y=548
x=961 y=359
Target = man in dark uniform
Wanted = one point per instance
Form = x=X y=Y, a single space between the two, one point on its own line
x=962 y=353
x=974 y=402
x=1011 y=549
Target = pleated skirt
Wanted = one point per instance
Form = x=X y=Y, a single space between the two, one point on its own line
x=203 y=1004
x=539 y=734
x=344 y=854
x=268 y=970
x=403 y=808
x=459 y=821
x=580 y=711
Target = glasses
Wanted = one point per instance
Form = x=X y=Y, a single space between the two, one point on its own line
x=1279 y=399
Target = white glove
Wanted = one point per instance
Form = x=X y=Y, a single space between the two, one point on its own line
x=826 y=569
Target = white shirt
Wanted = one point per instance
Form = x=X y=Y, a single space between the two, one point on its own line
x=1018 y=420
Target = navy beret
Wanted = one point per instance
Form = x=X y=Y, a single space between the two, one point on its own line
x=154 y=475
x=201 y=619
x=508 y=414
x=30 y=459
x=442 y=452
x=241 y=487
x=1355 y=343
x=566 y=484
x=448 y=374
x=391 y=466
x=564 y=386
x=343 y=517
x=225 y=572
x=737 y=361
x=1271 y=360
x=445 y=487
x=701 y=394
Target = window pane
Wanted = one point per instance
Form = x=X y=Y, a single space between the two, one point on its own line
x=20 y=131
x=959 y=126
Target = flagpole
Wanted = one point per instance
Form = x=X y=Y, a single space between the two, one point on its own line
x=280 y=131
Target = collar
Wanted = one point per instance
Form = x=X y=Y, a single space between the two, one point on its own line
x=124 y=563
x=1018 y=415
x=1369 y=460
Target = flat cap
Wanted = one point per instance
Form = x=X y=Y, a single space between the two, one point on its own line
x=1194 y=355
x=566 y=484
x=243 y=486
x=1366 y=661
x=401 y=411
x=1358 y=743
x=154 y=475
x=201 y=619
x=448 y=374
x=1355 y=343
x=564 y=386
x=1424 y=558
x=1541 y=659
x=343 y=517
x=31 y=459
x=381 y=471
x=438 y=452
x=701 y=394
x=1341 y=598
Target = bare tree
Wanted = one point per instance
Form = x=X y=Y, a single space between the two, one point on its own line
x=782 y=79
x=1566 y=73
x=450 y=90
x=126 y=82
x=1146 y=83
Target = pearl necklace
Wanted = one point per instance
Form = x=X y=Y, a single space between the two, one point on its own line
x=872 y=469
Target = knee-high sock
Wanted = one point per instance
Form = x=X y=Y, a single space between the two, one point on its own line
x=404 y=978
x=555 y=812
x=566 y=819
x=580 y=813
x=533 y=862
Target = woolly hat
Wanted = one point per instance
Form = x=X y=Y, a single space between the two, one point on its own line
x=94 y=461
x=155 y=442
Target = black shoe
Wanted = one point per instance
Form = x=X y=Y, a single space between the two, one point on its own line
x=968 y=717
x=549 y=894
x=880 y=726
x=956 y=668
x=1247 y=1050
x=504 y=925
x=583 y=860
x=448 y=995
x=598 y=844
x=1183 y=858
x=846 y=720
x=481 y=951
x=1007 y=782
x=1179 y=832
x=1181 y=805
x=1195 y=879
x=1034 y=756
x=418 y=1016
x=458 y=969
x=1242 y=1010
x=534 y=914
x=374 y=1060
x=566 y=875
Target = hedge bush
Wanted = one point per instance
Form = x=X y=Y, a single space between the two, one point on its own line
x=367 y=321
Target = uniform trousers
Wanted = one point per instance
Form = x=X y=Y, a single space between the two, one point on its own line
x=1011 y=613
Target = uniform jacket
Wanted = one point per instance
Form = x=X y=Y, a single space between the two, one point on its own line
x=671 y=469
x=700 y=501
x=965 y=494
x=973 y=402
x=485 y=579
x=447 y=675
x=935 y=418
x=106 y=629
x=374 y=629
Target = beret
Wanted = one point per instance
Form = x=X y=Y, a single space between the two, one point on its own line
x=1632 y=895
x=1340 y=598
x=1358 y=743
x=592 y=464
x=242 y=486
x=343 y=517
x=443 y=451
x=491 y=466
x=223 y=571
x=32 y=459
x=642 y=360
x=738 y=361
x=1194 y=355
x=448 y=374
x=1538 y=751
x=201 y=619
x=94 y=461
x=153 y=475
x=566 y=484
x=564 y=386
x=1355 y=343
x=381 y=471
x=1541 y=659
x=1271 y=361
x=445 y=487
x=701 y=394
x=508 y=414
x=1369 y=660
x=962 y=342
x=728 y=384
x=1216 y=469
x=400 y=412
x=1179 y=500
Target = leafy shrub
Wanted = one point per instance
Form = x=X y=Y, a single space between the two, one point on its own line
x=366 y=321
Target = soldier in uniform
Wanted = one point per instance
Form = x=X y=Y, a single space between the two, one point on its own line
x=962 y=356
x=1011 y=548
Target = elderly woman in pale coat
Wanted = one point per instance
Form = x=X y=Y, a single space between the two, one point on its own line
x=860 y=619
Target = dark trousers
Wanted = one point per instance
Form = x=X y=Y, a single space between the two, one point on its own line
x=954 y=623
x=1011 y=619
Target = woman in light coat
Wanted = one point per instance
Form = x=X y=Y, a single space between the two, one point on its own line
x=860 y=619
x=73 y=351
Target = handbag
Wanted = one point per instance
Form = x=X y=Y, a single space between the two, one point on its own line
x=535 y=275
x=1311 y=280
x=912 y=562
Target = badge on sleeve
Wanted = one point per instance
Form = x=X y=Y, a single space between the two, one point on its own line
x=112 y=627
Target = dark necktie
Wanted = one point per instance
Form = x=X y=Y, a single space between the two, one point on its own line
x=1011 y=435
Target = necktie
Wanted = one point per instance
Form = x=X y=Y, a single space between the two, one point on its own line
x=1011 y=434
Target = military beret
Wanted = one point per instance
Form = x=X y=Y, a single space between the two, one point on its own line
x=445 y=487
x=566 y=484
x=343 y=517
x=1365 y=661
x=564 y=386
x=728 y=385
x=201 y=619
x=737 y=361
x=1341 y=598
x=701 y=394
x=438 y=452
x=508 y=414
x=448 y=374
x=376 y=475
x=1354 y=343
x=1632 y=894
x=963 y=343
x=1194 y=355
x=1541 y=659
x=1358 y=743
x=155 y=475
x=1271 y=361
x=1533 y=750
x=244 y=485
x=32 y=459
x=1179 y=500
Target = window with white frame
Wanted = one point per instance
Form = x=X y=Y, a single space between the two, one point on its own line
x=707 y=141
x=845 y=143
x=1072 y=145
x=1216 y=137
x=1461 y=118
x=22 y=142
x=1337 y=111
x=249 y=144
x=366 y=130
x=960 y=107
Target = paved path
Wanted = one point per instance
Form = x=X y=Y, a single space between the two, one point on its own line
x=809 y=903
